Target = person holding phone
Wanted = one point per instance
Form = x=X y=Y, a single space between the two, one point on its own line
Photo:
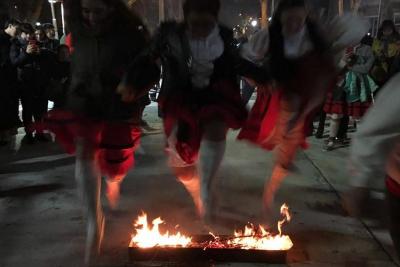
x=25 y=54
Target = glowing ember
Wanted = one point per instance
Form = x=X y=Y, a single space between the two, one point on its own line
x=148 y=237
x=251 y=238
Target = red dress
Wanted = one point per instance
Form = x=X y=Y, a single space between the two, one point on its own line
x=191 y=109
x=275 y=119
x=114 y=141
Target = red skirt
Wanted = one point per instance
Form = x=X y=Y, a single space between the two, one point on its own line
x=114 y=141
x=314 y=78
x=357 y=109
x=335 y=106
x=190 y=110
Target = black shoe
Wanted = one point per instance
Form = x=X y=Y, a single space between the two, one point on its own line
x=42 y=138
x=28 y=139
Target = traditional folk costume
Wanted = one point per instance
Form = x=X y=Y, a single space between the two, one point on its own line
x=303 y=70
x=95 y=124
x=353 y=94
x=199 y=92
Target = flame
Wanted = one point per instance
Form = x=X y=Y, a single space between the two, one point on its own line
x=149 y=236
x=250 y=238
x=287 y=218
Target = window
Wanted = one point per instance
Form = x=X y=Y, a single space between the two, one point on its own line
x=396 y=19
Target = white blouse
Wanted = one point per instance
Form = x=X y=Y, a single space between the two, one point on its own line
x=204 y=53
x=342 y=32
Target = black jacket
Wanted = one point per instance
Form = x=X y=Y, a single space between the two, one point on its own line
x=171 y=46
x=8 y=88
x=32 y=68
x=97 y=67
x=50 y=44
x=8 y=73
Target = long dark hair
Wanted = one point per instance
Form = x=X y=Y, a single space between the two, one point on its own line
x=388 y=24
x=123 y=18
x=281 y=67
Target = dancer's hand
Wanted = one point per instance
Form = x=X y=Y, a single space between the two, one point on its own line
x=354 y=200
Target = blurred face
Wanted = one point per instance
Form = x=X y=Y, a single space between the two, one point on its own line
x=40 y=36
x=387 y=31
x=27 y=36
x=200 y=25
x=50 y=33
x=96 y=15
x=293 y=20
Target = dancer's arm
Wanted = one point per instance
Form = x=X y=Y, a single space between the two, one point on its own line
x=377 y=137
x=144 y=71
x=345 y=31
x=251 y=56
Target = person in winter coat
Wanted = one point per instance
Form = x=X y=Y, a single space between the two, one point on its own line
x=9 y=119
x=33 y=66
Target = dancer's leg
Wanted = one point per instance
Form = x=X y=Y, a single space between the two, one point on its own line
x=288 y=144
x=113 y=190
x=212 y=151
x=187 y=174
x=89 y=185
x=343 y=128
x=333 y=131
x=189 y=177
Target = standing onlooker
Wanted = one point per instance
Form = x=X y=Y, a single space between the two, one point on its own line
x=45 y=41
x=8 y=79
x=60 y=77
x=49 y=41
x=354 y=94
x=359 y=86
x=29 y=58
x=386 y=48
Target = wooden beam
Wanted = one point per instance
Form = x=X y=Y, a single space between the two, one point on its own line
x=161 y=10
x=340 y=7
x=264 y=13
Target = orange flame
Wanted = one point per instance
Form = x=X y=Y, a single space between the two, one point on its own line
x=251 y=238
x=148 y=237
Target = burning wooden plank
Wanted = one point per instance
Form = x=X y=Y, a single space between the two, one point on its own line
x=253 y=244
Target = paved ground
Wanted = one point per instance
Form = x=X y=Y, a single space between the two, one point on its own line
x=41 y=223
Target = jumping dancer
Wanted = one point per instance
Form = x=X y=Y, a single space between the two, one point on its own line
x=301 y=62
x=200 y=97
x=97 y=123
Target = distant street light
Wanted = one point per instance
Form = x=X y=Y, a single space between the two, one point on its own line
x=254 y=23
